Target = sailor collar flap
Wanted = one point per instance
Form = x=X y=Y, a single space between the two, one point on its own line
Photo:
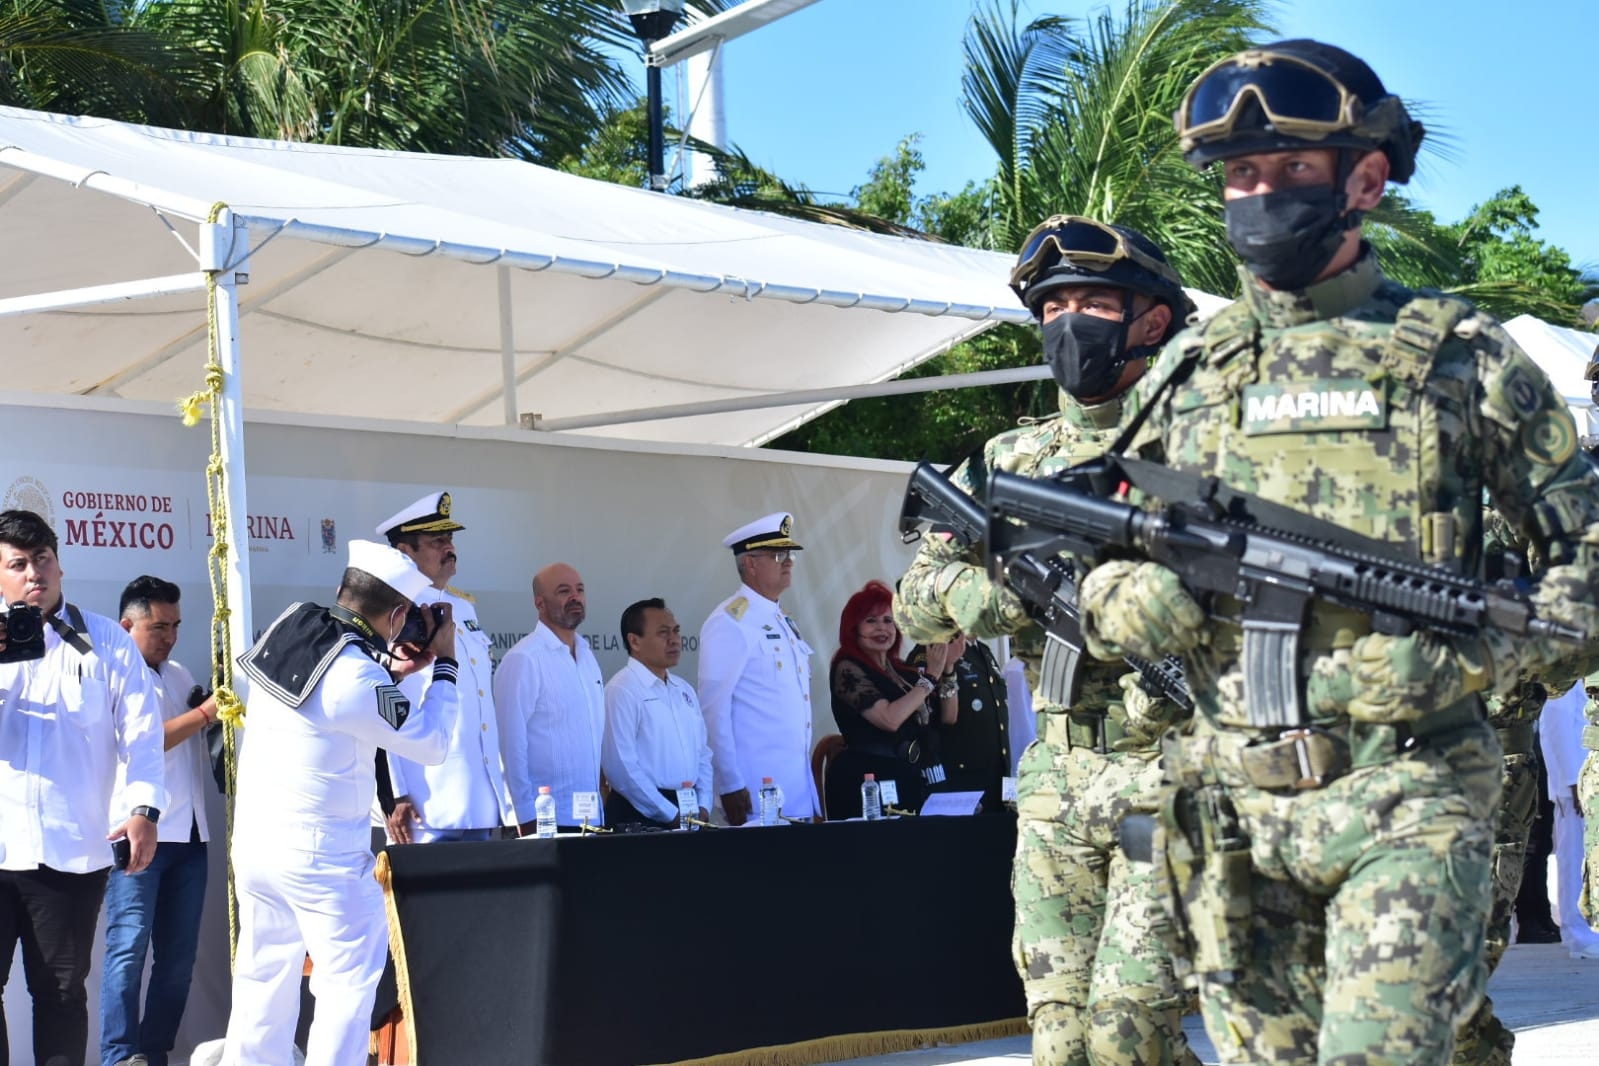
x=293 y=655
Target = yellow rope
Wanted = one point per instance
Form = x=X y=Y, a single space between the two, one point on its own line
x=230 y=710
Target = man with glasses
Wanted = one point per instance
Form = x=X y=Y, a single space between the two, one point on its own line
x=755 y=678
x=1331 y=837
x=1099 y=983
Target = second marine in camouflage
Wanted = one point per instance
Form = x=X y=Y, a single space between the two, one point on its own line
x=1099 y=982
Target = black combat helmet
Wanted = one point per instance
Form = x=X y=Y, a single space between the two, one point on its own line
x=1071 y=250
x=1295 y=94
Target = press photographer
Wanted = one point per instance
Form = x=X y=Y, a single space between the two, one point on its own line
x=77 y=706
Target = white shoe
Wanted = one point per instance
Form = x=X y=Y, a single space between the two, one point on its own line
x=1589 y=952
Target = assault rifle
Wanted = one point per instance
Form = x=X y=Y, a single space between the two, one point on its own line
x=1276 y=561
x=1043 y=582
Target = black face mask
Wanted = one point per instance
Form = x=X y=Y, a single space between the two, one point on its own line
x=1286 y=238
x=1087 y=353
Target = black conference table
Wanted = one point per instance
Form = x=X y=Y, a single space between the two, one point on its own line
x=656 y=948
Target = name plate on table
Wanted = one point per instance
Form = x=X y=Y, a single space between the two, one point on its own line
x=585 y=806
x=952 y=803
x=888 y=792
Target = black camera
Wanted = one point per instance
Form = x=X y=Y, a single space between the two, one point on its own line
x=24 y=634
x=420 y=625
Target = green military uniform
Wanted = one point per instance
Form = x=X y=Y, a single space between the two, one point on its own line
x=1098 y=977
x=1484 y=1040
x=1343 y=922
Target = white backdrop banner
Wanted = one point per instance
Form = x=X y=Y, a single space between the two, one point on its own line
x=126 y=495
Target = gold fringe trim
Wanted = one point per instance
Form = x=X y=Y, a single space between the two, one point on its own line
x=402 y=972
x=861 y=1045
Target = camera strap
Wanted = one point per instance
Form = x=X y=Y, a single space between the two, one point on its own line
x=72 y=630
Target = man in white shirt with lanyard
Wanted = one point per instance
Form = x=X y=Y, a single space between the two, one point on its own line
x=159 y=908
x=550 y=697
x=755 y=678
x=69 y=718
x=464 y=797
x=654 y=730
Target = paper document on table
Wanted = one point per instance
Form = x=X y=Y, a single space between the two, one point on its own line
x=949 y=803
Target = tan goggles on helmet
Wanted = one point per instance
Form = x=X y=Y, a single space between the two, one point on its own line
x=1296 y=97
x=1082 y=242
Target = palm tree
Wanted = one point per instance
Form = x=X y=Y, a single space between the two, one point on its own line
x=1080 y=118
x=471 y=77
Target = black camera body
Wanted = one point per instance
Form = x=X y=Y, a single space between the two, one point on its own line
x=24 y=634
x=420 y=625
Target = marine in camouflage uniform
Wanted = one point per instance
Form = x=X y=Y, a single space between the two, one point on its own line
x=1484 y=1040
x=1099 y=983
x=1331 y=858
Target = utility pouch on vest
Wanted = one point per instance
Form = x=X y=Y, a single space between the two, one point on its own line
x=1207 y=868
x=1590 y=738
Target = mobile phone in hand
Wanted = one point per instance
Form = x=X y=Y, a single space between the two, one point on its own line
x=121 y=853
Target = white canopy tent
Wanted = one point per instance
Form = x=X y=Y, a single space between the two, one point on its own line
x=1563 y=353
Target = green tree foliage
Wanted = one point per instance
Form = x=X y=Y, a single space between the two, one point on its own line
x=468 y=77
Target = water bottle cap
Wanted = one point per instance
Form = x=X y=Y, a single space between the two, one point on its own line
x=766 y=780
x=871 y=777
x=544 y=790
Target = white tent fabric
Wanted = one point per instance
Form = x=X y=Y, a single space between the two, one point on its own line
x=1563 y=353
x=365 y=293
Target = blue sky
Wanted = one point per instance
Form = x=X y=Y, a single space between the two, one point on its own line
x=821 y=95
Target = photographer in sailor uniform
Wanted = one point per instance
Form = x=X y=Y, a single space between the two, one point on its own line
x=322 y=700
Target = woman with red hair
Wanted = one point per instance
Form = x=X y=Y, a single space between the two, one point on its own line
x=882 y=707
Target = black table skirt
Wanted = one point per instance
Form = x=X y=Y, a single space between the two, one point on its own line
x=654 y=948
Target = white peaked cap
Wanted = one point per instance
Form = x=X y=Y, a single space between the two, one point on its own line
x=393 y=568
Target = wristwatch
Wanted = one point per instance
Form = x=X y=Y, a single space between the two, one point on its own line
x=152 y=813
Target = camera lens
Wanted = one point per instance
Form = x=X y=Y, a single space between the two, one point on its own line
x=24 y=623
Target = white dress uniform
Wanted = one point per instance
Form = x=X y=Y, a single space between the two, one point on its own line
x=1560 y=735
x=755 y=688
x=552 y=720
x=467 y=790
x=301 y=844
x=654 y=739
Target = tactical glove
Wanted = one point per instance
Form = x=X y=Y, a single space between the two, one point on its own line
x=1138 y=609
x=1402 y=679
x=1147 y=717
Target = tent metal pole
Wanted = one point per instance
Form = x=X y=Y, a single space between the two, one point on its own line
x=231 y=415
x=507 y=344
x=900 y=387
x=167 y=285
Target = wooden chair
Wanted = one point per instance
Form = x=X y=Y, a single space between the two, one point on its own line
x=822 y=756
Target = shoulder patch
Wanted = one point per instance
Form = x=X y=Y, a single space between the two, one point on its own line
x=737 y=606
x=453 y=591
x=393 y=707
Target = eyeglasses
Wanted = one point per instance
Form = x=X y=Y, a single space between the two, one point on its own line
x=1298 y=98
x=780 y=557
x=1082 y=242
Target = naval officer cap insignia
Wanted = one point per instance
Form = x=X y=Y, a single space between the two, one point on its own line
x=389 y=566
x=430 y=514
x=769 y=532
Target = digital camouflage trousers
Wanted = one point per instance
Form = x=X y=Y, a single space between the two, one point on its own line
x=1089 y=940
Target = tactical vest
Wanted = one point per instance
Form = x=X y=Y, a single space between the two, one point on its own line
x=1346 y=420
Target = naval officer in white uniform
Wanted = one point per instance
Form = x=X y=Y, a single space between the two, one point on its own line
x=755 y=678
x=322 y=700
x=464 y=797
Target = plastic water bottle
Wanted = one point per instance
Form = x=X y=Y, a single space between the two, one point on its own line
x=769 y=802
x=688 y=806
x=544 y=813
x=871 y=799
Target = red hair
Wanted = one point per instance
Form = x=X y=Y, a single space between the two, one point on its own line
x=873 y=598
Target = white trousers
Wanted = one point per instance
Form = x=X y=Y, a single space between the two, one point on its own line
x=1574 y=928
x=293 y=903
